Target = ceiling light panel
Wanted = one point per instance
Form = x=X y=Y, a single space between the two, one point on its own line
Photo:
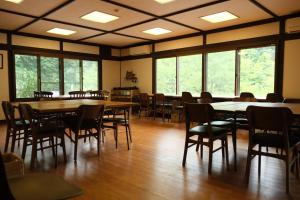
x=15 y=1
x=163 y=1
x=219 y=17
x=157 y=31
x=99 y=17
x=60 y=31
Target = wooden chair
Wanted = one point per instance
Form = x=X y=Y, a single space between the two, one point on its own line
x=274 y=98
x=272 y=119
x=206 y=97
x=77 y=94
x=35 y=186
x=39 y=131
x=88 y=118
x=120 y=117
x=161 y=106
x=203 y=114
x=144 y=104
x=14 y=127
x=246 y=97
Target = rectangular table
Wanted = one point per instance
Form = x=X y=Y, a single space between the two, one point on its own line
x=57 y=106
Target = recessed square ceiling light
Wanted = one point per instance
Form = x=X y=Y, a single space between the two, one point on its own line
x=219 y=17
x=100 y=17
x=157 y=31
x=15 y=1
x=163 y=1
x=61 y=31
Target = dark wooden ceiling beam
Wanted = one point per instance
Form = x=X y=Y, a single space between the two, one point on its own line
x=262 y=7
x=45 y=14
x=18 y=13
x=130 y=36
x=150 y=14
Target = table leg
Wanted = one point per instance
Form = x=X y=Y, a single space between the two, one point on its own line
x=234 y=141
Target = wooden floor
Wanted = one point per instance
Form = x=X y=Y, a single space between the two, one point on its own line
x=152 y=168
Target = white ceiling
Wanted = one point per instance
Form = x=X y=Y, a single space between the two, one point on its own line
x=135 y=16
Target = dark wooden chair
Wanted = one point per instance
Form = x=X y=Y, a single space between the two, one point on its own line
x=272 y=119
x=144 y=104
x=77 y=94
x=118 y=117
x=246 y=97
x=202 y=115
x=206 y=97
x=296 y=120
x=85 y=123
x=161 y=106
x=14 y=127
x=274 y=98
x=40 y=131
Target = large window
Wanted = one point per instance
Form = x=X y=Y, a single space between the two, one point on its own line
x=50 y=74
x=166 y=76
x=43 y=73
x=179 y=74
x=257 y=70
x=71 y=75
x=221 y=73
x=90 y=75
x=26 y=75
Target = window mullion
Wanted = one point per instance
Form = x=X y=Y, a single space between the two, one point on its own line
x=39 y=81
x=177 y=75
x=81 y=75
x=237 y=73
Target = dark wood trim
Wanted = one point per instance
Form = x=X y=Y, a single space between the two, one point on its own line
x=11 y=70
x=121 y=34
x=292 y=36
x=17 y=13
x=61 y=70
x=262 y=7
x=100 y=83
x=237 y=73
x=204 y=64
x=45 y=14
x=279 y=62
x=38 y=72
x=153 y=69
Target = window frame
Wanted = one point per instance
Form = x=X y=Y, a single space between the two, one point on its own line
x=61 y=58
x=219 y=48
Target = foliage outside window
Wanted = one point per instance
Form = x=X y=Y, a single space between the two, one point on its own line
x=257 y=70
x=50 y=74
x=221 y=73
x=90 y=75
x=190 y=74
x=166 y=76
x=26 y=75
x=71 y=75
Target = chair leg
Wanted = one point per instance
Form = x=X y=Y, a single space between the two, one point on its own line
x=98 y=137
x=223 y=146
x=185 y=151
x=63 y=144
x=226 y=153
x=259 y=161
x=33 y=152
x=233 y=129
x=24 y=146
x=248 y=165
x=201 y=149
x=116 y=135
x=210 y=156
x=7 y=139
x=129 y=129
x=127 y=138
x=53 y=146
x=198 y=143
x=75 y=147
x=287 y=173
x=12 y=149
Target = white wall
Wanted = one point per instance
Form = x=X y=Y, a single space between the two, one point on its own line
x=4 y=88
x=110 y=74
x=142 y=68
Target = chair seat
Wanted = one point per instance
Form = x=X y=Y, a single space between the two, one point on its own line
x=36 y=187
x=73 y=120
x=221 y=123
x=239 y=120
x=114 y=120
x=203 y=130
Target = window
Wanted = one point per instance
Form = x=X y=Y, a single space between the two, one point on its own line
x=221 y=73
x=90 y=75
x=26 y=75
x=71 y=75
x=166 y=76
x=179 y=74
x=257 y=70
x=50 y=74
x=190 y=74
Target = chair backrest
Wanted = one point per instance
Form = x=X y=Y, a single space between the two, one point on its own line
x=144 y=99
x=36 y=95
x=46 y=94
x=5 y=192
x=246 y=97
x=200 y=113
x=159 y=98
x=105 y=94
x=186 y=97
x=206 y=97
x=77 y=94
x=29 y=118
x=9 y=113
x=91 y=113
x=274 y=97
x=269 y=118
x=287 y=100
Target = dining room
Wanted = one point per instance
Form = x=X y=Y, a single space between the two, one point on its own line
x=149 y=99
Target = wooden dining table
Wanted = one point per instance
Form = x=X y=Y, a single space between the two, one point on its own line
x=61 y=106
x=234 y=107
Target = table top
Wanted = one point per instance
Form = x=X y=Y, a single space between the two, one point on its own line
x=234 y=106
x=71 y=105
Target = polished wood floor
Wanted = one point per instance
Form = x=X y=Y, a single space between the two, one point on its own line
x=152 y=168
